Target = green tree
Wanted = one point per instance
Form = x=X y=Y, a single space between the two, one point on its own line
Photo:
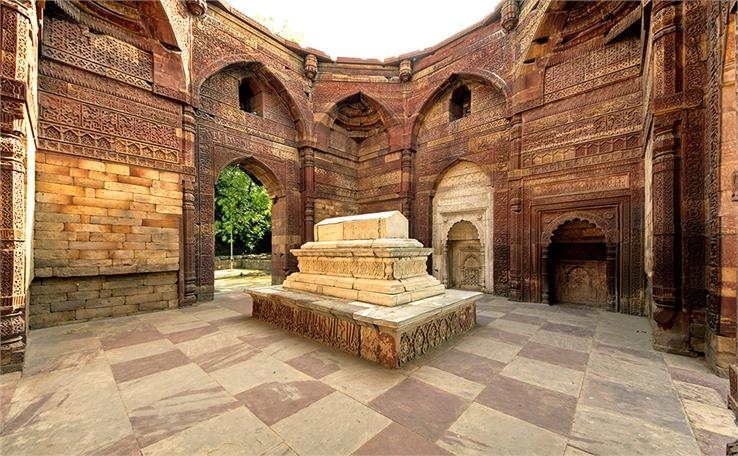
x=243 y=210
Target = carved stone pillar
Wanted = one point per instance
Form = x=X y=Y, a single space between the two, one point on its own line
x=406 y=177
x=188 y=241
x=189 y=291
x=12 y=249
x=666 y=274
x=516 y=207
x=612 y=286
x=733 y=368
x=18 y=112
x=666 y=156
x=307 y=155
x=545 y=298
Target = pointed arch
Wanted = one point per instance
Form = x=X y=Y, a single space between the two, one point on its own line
x=454 y=164
x=484 y=76
x=389 y=120
x=260 y=171
x=266 y=76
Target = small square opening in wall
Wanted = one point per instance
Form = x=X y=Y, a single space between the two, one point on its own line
x=250 y=97
x=460 y=104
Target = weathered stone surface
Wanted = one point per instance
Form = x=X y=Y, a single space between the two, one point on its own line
x=390 y=336
x=542 y=118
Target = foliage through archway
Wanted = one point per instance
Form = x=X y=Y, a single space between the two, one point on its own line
x=243 y=213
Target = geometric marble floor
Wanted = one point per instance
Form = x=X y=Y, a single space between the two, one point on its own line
x=530 y=379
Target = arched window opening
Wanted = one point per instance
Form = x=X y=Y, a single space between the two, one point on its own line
x=460 y=105
x=249 y=97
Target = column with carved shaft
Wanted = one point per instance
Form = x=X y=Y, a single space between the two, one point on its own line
x=406 y=177
x=612 y=286
x=545 y=297
x=733 y=368
x=18 y=115
x=665 y=162
x=666 y=275
x=516 y=207
x=188 y=208
x=307 y=155
x=188 y=241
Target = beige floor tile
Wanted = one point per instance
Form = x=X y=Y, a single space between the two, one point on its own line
x=261 y=368
x=483 y=431
x=335 y=425
x=557 y=339
x=602 y=432
x=490 y=313
x=451 y=383
x=207 y=344
x=489 y=348
x=54 y=346
x=699 y=393
x=71 y=411
x=291 y=346
x=217 y=313
x=695 y=364
x=131 y=352
x=561 y=379
x=178 y=326
x=363 y=380
x=718 y=420
x=514 y=327
x=236 y=432
x=573 y=451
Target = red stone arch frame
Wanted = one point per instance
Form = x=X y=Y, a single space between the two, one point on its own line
x=274 y=162
x=609 y=229
x=299 y=112
x=493 y=164
x=484 y=76
x=393 y=126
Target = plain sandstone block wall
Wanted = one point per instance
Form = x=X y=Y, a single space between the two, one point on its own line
x=106 y=239
x=94 y=217
x=60 y=300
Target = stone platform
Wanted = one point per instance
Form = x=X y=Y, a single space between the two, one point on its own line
x=390 y=336
x=364 y=288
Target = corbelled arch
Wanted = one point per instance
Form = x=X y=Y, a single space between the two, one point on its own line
x=260 y=170
x=480 y=75
x=388 y=118
x=298 y=113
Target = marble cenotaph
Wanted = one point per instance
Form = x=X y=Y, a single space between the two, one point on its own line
x=363 y=287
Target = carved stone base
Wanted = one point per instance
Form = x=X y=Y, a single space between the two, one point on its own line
x=391 y=337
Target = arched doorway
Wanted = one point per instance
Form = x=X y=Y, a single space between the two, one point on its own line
x=245 y=117
x=465 y=257
x=242 y=231
x=462 y=221
x=580 y=265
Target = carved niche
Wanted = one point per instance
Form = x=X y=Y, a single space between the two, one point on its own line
x=462 y=228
